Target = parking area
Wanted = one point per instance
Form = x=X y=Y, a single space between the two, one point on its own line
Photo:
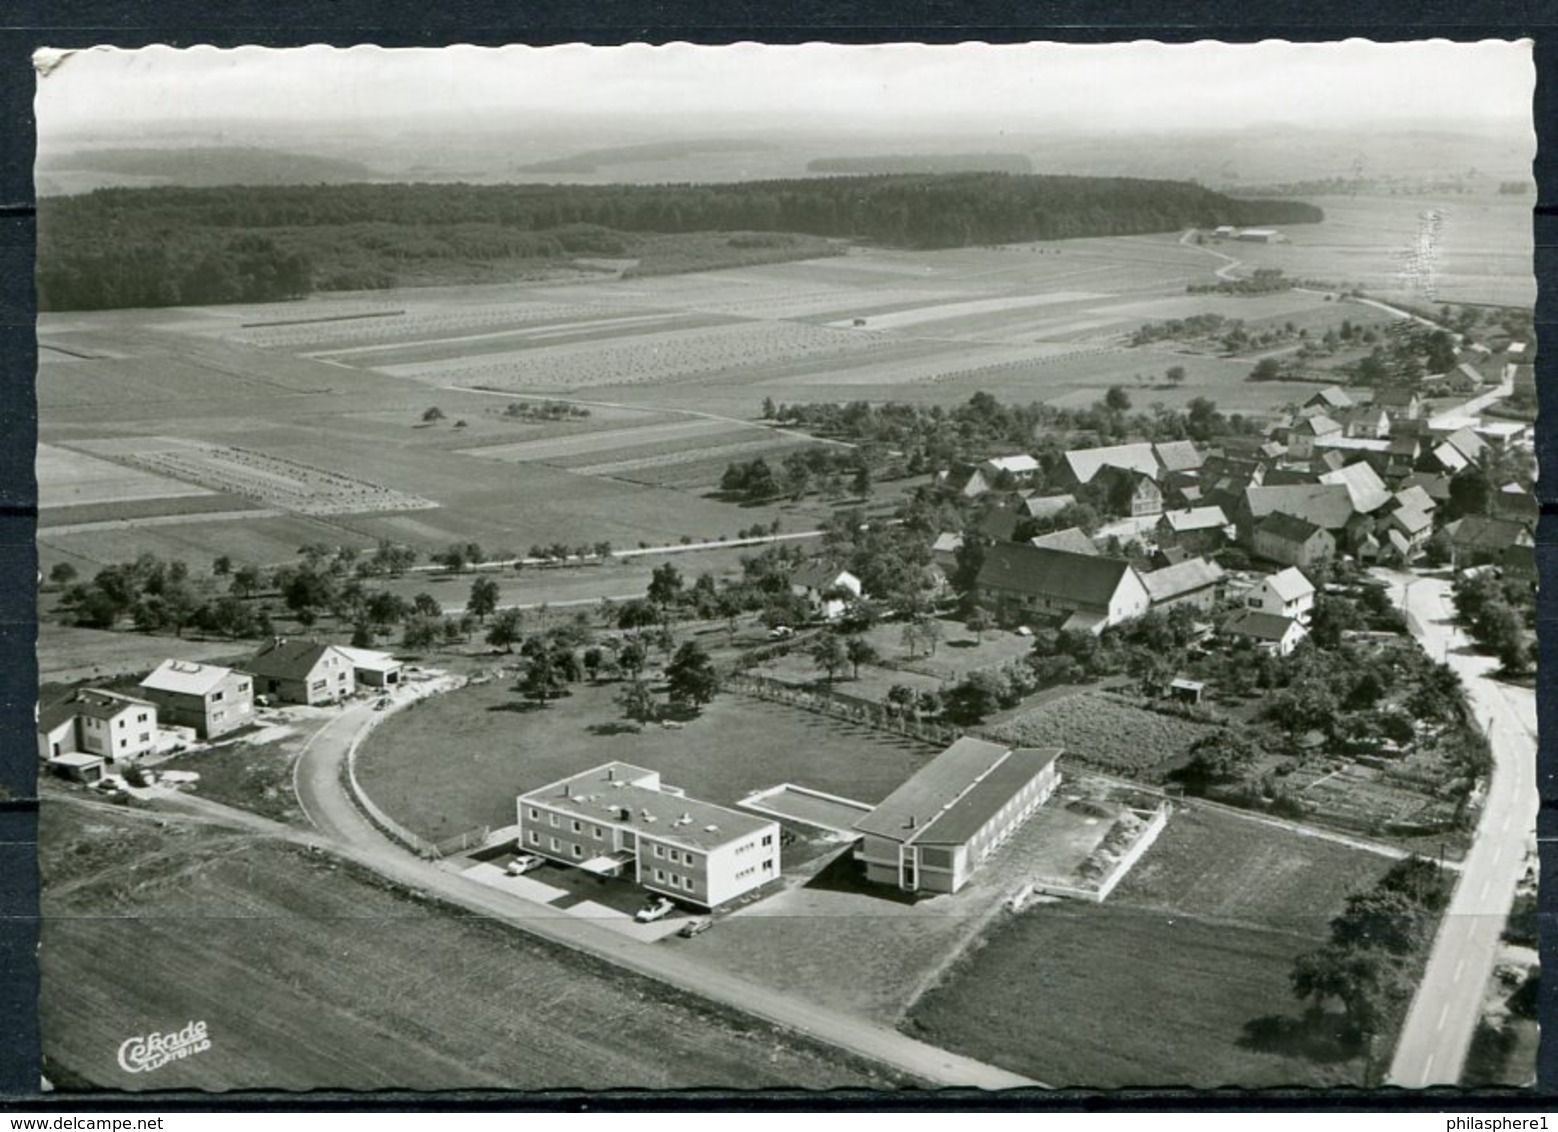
x=608 y=902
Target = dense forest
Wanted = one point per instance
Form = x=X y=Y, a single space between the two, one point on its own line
x=162 y=246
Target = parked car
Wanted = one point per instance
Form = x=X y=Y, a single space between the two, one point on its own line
x=780 y=633
x=523 y=864
x=695 y=927
x=657 y=909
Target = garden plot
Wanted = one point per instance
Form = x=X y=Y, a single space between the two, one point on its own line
x=69 y=479
x=271 y=481
x=651 y=358
x=1105 y=731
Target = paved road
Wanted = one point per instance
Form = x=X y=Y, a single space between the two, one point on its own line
x=1438 y=1030
x=325 y=799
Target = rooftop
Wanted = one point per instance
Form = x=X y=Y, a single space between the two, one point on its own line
x=1325 y=505
x=1290 y=584
x=1261 y=626
x=952 y=796
x=1085 y=463
x=287 y=659
x=1074 y=539
x=1290 y=528
x=99 y=704
x=1182 y=578
x=627 y=795
x=1364 y=487
x=186 y=677
x=1046 y=571
x=1195 y=519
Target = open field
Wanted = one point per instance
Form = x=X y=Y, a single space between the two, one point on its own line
x=67 y=654
x=312 y=975
x=1221 y=905
x=73 y=479
x=737 y=745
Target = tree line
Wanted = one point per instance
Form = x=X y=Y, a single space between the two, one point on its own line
x=167 y=245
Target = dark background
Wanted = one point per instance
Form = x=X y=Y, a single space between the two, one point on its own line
x=415 y=23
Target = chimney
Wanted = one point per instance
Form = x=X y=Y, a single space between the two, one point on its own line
x=911 y=821
x=567 y=790
x=611 y=774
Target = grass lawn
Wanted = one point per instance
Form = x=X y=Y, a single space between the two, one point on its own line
x=252 y=771
x=310 y=974
x=1181 y=978
x=439 y=788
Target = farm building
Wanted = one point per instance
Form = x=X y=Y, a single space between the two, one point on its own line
x=1301 y=436
x=372 y=668
x=933 y=832
x=1291 y=541
x=1399 y=402
x=965 y=480
x=1260 y=236
x=1325 y=505
x=619 y=820
x=1364 y=487
x=1514 y=502
x=1288 y=593
x=1266 y=631
x=944 y=551
x=1458 y=451
x=1019 y=583
x=1020 y=467
x=302 y=672
x=1437 y=487
x=828 y=590
x=1047 y=506
x=1364 y=422
x=93 y=721
x=1130 y=492
x=1413 y=522
x=208 y=698
x=1199 y=530
x=1074 y=539
x=1331 y=397
x=1196 y=582
x=1478 y=541
x=1152 y=460
x=1402 y=457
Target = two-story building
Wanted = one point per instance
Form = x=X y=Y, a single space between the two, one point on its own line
x=93 y=721
x=827 y=590
x=934 y=831
x=206 y=697
x=619 y=820
x=1020 y=583
x=1288 y=593
x=1291 y=541
x=302 y=672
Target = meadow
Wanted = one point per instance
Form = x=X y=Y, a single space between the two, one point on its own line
x=1180 y=979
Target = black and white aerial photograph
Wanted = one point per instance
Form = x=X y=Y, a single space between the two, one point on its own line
x=787 y=567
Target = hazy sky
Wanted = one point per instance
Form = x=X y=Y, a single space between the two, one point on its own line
x=1007 y=87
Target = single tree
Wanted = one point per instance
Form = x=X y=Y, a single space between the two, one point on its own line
x=691 y=676
x=504 y=632
x=859 y=651
x=483 y=599
x=829 y=653
x=432 y=414
x=638 y=702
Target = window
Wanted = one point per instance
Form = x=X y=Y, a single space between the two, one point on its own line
x=119 y=723
x=674 y=855
x=123 y=743
x=768 y=839
x=535 y=814
x=535 y=838
x=659 y=852
x=141 y=718
x=659 y=876
x=768 y=865
x=242 y=688
x=145 y=737
x=577 y=825
x=216 y=697
x=318 y=685
x=598 y=833
x=553 y=819
x=552 y=842
x=578 y=850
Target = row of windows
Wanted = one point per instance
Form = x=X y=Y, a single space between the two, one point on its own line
x=672 y=879
x=767 y=866
x=676 y=856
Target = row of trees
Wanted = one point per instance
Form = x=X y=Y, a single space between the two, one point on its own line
x=1496 y=612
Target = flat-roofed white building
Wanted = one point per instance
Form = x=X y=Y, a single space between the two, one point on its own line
x=932 y=833
x=619 y=820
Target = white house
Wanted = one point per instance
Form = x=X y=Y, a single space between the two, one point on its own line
x=1287 y=593
x=827 y=589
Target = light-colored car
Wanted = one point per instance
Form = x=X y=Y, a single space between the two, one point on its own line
x=657 y=909
x=694 y=927
x=780 y=633
x=523 y=864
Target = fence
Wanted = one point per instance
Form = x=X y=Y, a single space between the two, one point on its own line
x=460 y=842
x=418 y=845
x=850 y=709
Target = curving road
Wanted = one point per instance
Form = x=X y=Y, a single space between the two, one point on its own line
x=325 y=798
x=1438 y=1029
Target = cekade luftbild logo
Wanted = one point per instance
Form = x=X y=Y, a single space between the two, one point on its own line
x=145 y=1052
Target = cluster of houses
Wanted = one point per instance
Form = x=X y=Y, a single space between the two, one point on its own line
x=1335 y=478
x=93 y=729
